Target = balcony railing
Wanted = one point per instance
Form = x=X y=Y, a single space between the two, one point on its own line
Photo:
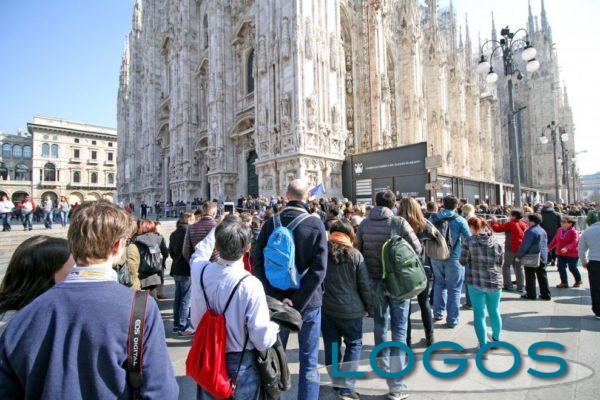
x=92 y=162
x=74 y=160
x=109 y=163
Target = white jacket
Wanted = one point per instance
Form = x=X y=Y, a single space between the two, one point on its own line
x=6 y=206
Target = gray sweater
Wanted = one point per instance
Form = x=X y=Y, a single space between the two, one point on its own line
x=590 y=241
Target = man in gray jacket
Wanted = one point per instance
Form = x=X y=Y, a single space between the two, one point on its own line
x=372 y=233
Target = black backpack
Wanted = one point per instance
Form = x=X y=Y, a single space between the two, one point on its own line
x=151 y=259
x=443 y=225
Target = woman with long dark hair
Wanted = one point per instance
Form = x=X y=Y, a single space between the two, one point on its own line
x=347 y=298
x=410 y=210
x=35 y=266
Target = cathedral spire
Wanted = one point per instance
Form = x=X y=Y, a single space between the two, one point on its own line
x=460 y=41
x=452 y=27
x=545 y=25
x=530 y=23
x=494 y=33
x=432 y=5
x=565 y=96
x=467 y=36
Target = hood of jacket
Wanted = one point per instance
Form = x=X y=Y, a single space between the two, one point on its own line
x=444 y=214
x=379 y=213
x=547 y=209
x=150 y=239
x=483 y=240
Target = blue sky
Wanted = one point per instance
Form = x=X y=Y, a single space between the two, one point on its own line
x=62 y=57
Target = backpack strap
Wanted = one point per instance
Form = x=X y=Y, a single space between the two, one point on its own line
x=233 y=292
x=276 y=221
x=297 y=221
x=202 y=286
x=135 y=342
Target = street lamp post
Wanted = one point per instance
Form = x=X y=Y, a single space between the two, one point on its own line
x=552 y=129
x=508 y=45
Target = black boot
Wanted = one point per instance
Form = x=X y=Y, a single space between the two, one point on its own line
x=429 y=339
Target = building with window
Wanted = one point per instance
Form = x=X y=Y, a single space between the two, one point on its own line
x=223 y=98
x=15 y=165
x=57 y=158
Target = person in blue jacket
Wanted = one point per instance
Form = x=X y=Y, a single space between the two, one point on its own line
x=535 y=242
x=449 y=274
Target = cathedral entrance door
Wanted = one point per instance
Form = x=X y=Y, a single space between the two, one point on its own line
x=252 y=188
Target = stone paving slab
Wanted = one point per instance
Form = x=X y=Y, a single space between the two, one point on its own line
x=566 y=319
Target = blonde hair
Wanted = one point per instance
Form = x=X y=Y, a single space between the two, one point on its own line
x=468 y=211
x=410 y=210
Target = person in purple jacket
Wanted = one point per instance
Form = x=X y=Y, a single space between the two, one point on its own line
x=71 y=342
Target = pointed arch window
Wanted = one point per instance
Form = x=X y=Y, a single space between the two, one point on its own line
x=250 y=72
x=205 y=31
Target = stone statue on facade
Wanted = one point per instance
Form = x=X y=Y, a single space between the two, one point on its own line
x=285 y=38
x=308 y=39
x=262 y=55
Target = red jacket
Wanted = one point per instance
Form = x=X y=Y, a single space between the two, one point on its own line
x=568 y=238
x=517 y=232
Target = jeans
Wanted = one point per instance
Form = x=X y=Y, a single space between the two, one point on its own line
x=390 y=313
x=350 y=330
x=247 y=382
x=6 y=217
x=449 y=277
x=181 y=303
x=542 y=278
x=308 y=338
x=48 y=219
x=64 y=218
x=571 y=262
x=594 y=276
x=27 y=219
x=425 y=306
x=509 y=259
x=483 y=301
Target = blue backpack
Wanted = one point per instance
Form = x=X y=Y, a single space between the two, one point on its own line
x=280 y=255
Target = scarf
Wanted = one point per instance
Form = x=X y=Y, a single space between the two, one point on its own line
x=341 y=238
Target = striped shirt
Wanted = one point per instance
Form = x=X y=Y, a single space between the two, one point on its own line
x=194 y=235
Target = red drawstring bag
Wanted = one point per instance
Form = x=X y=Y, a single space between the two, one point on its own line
x=206 y=360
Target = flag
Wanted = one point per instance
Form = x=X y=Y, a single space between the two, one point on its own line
x=318 y=190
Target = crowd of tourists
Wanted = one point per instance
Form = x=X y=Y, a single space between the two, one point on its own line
x=26 y=211
x=79 y=317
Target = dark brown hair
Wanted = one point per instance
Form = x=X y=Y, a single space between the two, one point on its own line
x=31 y=270
x=338 y=252
x=95 y=228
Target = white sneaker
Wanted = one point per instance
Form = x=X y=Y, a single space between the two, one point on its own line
x=597 y=317
x=397 y=396
x=187 y=332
